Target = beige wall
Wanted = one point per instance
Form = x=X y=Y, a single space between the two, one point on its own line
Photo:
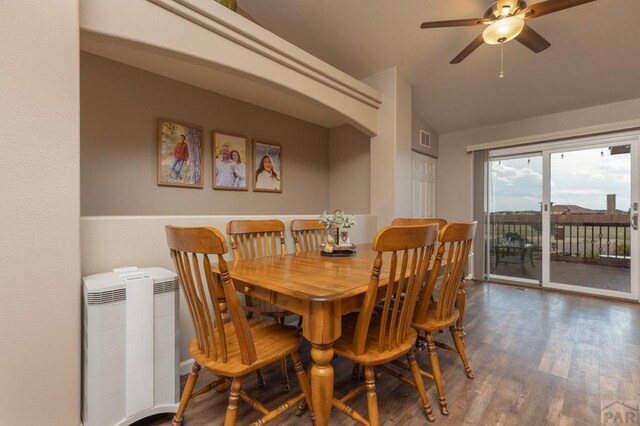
x=120 y=108
x=349 y=170
x=417 y=124
x=39 y=183
x=455 y=193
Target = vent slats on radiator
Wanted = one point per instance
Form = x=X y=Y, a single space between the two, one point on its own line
x=119 y=295
x=109 y=296
x=165 y=287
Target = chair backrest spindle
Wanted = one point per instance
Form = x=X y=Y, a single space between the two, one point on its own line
x=256 y=238
x=309 y=234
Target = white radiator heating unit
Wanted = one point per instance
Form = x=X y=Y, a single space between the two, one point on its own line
x=130 y=353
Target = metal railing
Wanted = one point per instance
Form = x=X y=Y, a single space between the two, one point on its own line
x=589 y=238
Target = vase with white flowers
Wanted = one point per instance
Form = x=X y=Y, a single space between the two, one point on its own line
x=343 y=222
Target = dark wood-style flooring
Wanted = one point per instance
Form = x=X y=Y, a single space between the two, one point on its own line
x=539 y=357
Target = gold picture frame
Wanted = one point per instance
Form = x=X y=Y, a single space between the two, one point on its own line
x=267 y=178
x=180 y=154
x=231 y=161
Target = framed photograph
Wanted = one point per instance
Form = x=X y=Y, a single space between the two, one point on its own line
x=230 y=160
x=180 y=153
x=267 y=159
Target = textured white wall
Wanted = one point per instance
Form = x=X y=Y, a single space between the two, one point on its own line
x=404 y=172
x=40 y=210
x=417 y=124
x=349 y=170
x=391 y=194
x=383 y=154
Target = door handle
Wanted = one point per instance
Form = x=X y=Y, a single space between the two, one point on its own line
x=633 y=219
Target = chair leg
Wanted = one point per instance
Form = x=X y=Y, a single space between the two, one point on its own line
x=437 y=375
x=186 y=394
x=417 y=379
x=459 y=343
x=304 y=383
x=372 y=399
x=460 y=304
x=302 y=405
x=355 y=373
x=234 y=398
x=285 y=378
x=261 y=383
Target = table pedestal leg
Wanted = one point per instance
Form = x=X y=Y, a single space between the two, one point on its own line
x=321 y=382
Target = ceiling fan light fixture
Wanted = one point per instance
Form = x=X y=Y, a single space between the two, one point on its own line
x=503 y=30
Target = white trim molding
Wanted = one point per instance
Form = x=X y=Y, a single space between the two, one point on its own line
x=559 y=135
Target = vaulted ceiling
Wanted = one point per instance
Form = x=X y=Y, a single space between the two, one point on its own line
x=593 y=58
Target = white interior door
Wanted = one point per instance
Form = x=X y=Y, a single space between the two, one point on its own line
x=423 y=183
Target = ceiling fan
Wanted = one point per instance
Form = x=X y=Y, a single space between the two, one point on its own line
x=505 y=20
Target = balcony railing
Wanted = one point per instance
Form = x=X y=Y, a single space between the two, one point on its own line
x=588 y=238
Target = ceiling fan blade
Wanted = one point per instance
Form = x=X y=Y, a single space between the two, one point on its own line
x=551 y=6
x=455 y=23
x=532 y=39
x=468 y=50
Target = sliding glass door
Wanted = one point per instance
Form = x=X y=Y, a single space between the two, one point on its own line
x=514 y=219
x=589 y=208
x=565 y=216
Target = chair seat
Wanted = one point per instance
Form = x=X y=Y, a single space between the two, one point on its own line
x=344 y=345
x=432 y=324
x=274 y=340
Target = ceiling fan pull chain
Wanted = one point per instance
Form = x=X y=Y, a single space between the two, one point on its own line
x=501 y=75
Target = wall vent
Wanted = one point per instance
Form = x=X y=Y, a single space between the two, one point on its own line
x=425 y=139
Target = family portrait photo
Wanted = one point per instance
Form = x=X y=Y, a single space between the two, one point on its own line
x=179 y=154
x=230 y=161
x=268 y=166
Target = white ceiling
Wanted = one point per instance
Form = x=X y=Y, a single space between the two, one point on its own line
x=593 y=58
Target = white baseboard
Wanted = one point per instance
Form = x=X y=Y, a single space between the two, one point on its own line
x=185 y=367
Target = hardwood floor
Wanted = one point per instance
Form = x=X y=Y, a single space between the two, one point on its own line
x=539 y=357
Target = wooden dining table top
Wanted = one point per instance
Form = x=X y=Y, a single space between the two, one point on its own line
x=310 y=276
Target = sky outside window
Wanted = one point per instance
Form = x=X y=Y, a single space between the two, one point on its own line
x=582 y=178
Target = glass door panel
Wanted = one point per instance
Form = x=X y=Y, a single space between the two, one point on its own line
x=514 y=238
x=590 y=194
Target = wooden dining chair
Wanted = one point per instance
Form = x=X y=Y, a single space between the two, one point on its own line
x=230 y=349
x=455 y=241
x=460 y=298
x=259 y=238
x=372 y=339
x=310 y=234
x=356 y=373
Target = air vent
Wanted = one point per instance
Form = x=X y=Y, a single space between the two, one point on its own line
x=425 y=139
x=165 y=287
x=109 y=296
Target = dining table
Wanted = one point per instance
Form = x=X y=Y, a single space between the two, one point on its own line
x=321 y=289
